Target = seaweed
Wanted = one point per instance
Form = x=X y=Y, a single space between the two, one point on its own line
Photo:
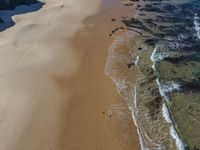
x=154 y=107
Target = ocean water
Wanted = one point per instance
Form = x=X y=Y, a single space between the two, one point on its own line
x=7 y=13
x=156 y=68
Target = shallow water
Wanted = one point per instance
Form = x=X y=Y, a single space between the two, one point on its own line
x=157 y=72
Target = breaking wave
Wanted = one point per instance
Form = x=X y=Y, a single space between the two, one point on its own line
x=165 y=90
x=197 y=25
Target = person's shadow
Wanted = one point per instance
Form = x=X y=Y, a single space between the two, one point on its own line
x=6 y=15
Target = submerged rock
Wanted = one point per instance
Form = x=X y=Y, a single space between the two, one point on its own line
x=1 y=20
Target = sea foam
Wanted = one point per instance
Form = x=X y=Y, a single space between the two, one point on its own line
x=157 y=57
x=121 y=84
x=134 y=111
x=197 y=25
x=180 y=145
x=137 y=60
x=165 y=90
x=166 y=114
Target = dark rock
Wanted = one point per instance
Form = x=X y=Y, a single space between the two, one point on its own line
x=130 y=65
x=154 y=106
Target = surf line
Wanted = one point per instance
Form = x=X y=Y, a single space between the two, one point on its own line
x=164 y=91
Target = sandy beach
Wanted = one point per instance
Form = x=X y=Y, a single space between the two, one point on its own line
x=54 y=94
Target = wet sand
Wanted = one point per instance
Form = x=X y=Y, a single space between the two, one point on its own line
x=54 y=93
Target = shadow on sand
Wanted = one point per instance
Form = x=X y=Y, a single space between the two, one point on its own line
x=6 y=15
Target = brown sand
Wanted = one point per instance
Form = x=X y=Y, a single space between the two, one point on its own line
x=54 y=94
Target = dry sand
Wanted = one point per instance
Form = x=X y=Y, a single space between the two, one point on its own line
x=54 y=94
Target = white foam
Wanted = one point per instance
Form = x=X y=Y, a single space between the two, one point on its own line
x=153 y=55
x=153 y=58
x=170 y=87
x=166 y=113
x=164 y=91
x=132 y=108
x=197 y=25
x=135 y=99
x=167 y=88
x=137 y=60
x=138 y=131
x=157 y=57
x=121 y=83
x=180 y=145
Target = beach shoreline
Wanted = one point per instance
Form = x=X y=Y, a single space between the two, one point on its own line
x=118 y=128
x=54 y=91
